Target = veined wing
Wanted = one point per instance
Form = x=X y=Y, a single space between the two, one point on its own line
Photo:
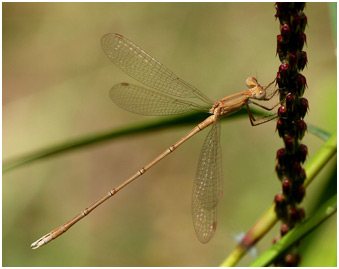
x=141 y=66
x=144 y=101
x=207 y=186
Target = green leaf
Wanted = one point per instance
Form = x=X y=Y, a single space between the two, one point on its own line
x=133 y=129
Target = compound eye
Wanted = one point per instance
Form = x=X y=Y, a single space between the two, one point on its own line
x=260 y=94
x=251 y=82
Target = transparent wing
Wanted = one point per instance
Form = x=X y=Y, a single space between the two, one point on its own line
x=144 y=101
x=139 y=65
x=207 y=187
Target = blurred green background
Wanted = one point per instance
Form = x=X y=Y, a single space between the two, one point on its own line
x=55 y=88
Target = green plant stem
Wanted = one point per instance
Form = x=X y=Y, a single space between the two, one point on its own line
x=297 y=233
x=267 y=221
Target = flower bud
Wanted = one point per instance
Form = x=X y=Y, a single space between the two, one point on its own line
x=282 y=112
x=279 y=43
x=279 y=170
x=302 y=60
x=303 y=21
x=290 y=261
x=278 y=80
x=296 y=170
x=301 y=40
x=280 y=127
x=301 y=128
x=301 y=214
x=300 y=176
x=301 y=153
x=286 y=187
x=300 y=194
x=301 y=84
x=281 y=155
x=290 y=101
x=293 y=215
x=285 y=32
x=284 y=229
x=295 y=22
x=280 y=199
x=280 y=206
x=293 y=60
x=283 y=70
x=289 y=143
x=302 y=107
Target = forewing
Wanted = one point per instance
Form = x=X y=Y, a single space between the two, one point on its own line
x=207 y=186
x=141 y=66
